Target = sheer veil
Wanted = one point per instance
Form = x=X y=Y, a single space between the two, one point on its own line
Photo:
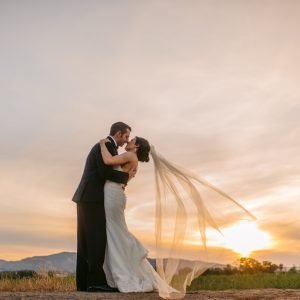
x=187 y=206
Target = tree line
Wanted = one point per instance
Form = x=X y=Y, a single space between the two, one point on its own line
x=250 y=265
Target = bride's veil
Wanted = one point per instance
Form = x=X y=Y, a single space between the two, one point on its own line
x=187 y=208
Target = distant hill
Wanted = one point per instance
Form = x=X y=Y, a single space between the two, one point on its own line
x=60 y=262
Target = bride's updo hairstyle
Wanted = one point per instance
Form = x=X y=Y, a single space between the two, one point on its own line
x=143 y=149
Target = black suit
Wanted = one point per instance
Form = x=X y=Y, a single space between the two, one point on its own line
x=91 y=223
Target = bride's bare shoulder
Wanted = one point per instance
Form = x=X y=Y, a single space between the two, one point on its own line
x=131 y=155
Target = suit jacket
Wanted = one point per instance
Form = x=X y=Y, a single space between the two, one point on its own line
x=91 y=186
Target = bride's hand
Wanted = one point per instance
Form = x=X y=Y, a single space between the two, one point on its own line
x=131 y=173
x=103 y=141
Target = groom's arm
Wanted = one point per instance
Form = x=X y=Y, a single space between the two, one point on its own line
x=108 y=172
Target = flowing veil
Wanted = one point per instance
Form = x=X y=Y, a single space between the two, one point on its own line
x=187 y=206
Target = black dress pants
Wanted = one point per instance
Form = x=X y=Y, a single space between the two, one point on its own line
x=91 y=244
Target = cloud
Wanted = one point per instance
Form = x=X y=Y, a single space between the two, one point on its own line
x=214 y=92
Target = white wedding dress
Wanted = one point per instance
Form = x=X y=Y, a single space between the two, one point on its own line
x=197 y=206
x=126 y=266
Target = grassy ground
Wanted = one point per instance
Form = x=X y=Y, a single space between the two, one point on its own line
x=209 y=282
x=247 y=281
x=65 y=284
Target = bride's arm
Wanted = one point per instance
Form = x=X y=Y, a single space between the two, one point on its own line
x=113 y=160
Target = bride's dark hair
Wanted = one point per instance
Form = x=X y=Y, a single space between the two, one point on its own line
x=143 y=149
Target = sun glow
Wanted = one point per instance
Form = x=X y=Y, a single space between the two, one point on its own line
x=244 y=238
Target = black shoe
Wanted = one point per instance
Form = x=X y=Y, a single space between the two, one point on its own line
x=102 y=288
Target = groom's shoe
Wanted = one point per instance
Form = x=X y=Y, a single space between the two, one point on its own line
x=102 y=288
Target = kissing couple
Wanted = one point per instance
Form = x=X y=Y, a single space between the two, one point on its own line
x=109 y=257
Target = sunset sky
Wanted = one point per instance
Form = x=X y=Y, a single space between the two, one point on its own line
x=214 y=85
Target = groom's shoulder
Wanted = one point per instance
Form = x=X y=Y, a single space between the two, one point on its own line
x=95 y=148
x=97 y=145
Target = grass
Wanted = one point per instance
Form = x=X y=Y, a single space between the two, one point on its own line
x=207 y=282
x=38 y=284
x=247 y=281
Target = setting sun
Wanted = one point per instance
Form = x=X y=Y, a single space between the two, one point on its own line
x=244 y=238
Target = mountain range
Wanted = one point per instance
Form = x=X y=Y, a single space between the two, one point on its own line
x=64 y=262
x=60 y=262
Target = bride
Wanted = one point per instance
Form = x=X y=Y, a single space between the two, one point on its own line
x=126 y=265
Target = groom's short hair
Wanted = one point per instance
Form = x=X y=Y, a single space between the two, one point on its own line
x=119 y=126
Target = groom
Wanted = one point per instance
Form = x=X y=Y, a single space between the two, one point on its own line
x=91 y=222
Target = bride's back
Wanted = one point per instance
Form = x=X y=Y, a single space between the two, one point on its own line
x=131 y=165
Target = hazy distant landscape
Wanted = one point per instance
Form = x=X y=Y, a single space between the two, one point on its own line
x=53 y=277
x=57 y=272
x=60 y=262
x=65 y=262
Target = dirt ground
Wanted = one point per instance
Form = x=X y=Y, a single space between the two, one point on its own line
x=203 y=295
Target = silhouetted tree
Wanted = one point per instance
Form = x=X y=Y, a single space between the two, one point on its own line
x=269 y=267
x=249 y=265
x=18 y=274
x=280 y=267
x=293 y=269
x=51 y=274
